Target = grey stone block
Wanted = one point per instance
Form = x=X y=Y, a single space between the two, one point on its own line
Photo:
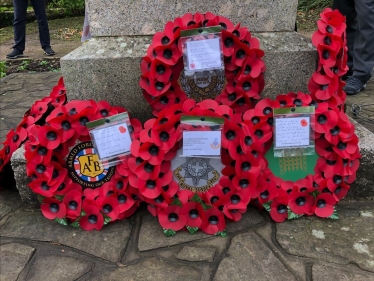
x=145 y=17
x=109 y=68
x=18 y=162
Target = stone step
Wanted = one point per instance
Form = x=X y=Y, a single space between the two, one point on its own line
x=145 y=17
x=109 y=67
x=361 y=189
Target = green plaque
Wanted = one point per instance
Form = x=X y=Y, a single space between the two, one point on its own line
x=291 y=168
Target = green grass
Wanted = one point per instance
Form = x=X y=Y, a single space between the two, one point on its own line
x=307 y=5
x=6 y=33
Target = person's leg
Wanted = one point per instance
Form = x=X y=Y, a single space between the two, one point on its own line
x=347 y=8
x=19 y=24
x=363 y=54
x=41 y=16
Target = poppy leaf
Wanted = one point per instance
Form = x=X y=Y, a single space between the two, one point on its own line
x=315 y=193
x=75 y=224
x=292 y=215
x=196 y=198
x=83 y=213
x=169 y=232
x=106 y=219
x=192 y=230
x=40 y=198
x=61 y=221
x=59 y=197
x=335 y=215
x=267 y=206
x=177 y=202
x=206 y=206
x=221 y=233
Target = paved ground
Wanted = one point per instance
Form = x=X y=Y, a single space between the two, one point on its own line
x=33 y=248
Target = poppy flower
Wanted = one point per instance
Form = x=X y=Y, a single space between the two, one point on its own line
x=79 y=120
x=38 y=109
x=324 y=91
x=125 y=201
x=269 y=192
x=324 y=205
x=332 y=22
x=93 y=218
x=169 y=54
x=339 y=191
x=301 y=203
x=346 y=148
x=49 y=137
x=68 y=185
x=75 y=106
x=278 y=207
x=43 y=187
x=333 y=41
x=38 y=154
x=213 y=221
x=171 y=218
x=165 y=137
x=247 y=163
x=52 y=208
x=109 y=206
x=231 y=134
x=343 y=130
x=40 y=170
x=194 y=212
x=325 y=121
x=73 y=203
x=230 y=41
x=247 y=86
x=233 y=214
x=164 y=38
x=245 y=182
x=144 y=170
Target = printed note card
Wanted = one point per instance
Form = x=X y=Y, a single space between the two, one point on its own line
x=292 y=132
x=112 y=140
x=201 y=143
x=204 y=54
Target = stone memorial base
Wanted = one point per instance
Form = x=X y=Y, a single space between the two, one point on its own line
x=109 y=68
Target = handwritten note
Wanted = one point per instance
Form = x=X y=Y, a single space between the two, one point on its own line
x=204 y=54
x=111 y=141
x=202 y=143
x=292 y=132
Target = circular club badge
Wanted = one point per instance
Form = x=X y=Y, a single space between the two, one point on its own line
x=85 y=168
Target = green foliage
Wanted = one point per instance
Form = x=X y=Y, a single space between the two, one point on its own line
x=43 y=63
x=71 y=7
x=3 y=68
x=267 y=206
x=24 y=65
x=169 y=232
x=192 y=230
x=335 y=215
x=292 y=215
x=61 y=221
x=314 y=4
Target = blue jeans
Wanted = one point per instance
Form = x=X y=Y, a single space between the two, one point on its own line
x=19 y=23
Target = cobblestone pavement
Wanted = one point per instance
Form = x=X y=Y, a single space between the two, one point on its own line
x=33 y=248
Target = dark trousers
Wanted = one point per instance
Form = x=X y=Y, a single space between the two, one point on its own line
x=360 y=35
x=19 y=23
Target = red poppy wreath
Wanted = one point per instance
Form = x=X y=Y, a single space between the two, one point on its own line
x=335 y=141
x=180 y=206
x=35 y=115
x=65 y=172
x=162 y=66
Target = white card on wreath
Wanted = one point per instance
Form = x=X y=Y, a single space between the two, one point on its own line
x=204 y=54
x=292 y=132
x=112 y=140
x=202 y=143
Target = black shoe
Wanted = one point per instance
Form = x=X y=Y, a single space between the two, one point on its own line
x=354 y=86
x=48 y=51
x=346 y=76
x=15 y=54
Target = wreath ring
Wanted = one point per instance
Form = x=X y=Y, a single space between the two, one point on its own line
x=65 y=173
x=163 y=64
